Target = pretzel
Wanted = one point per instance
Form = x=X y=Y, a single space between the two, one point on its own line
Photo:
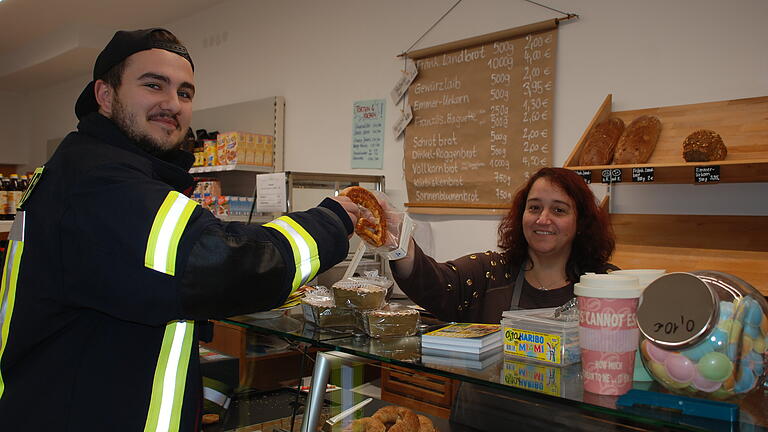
x=426 y=424
x=374 y=233
x=399 y=419
x=366 y=424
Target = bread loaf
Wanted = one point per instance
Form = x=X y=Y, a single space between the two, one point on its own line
x=601 y=142
x=638 y=141
x=704 y=145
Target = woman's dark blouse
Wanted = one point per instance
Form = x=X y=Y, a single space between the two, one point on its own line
x=475 y=288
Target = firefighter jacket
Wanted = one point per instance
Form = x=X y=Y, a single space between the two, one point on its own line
x=113 y=266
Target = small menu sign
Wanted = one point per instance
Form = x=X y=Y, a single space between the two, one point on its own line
x=612 y=175
x=707 y=174
x=586 y=175
x=643 y=175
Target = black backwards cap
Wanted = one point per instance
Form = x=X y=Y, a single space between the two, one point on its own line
x=123 y=45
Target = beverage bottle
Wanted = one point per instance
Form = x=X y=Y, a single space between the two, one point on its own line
x=3 y=198
x=14 y=195
x=24 y=183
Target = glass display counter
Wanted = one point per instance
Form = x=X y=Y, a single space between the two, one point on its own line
x=492 y=394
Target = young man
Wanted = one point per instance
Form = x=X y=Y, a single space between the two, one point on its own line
x=110 y=264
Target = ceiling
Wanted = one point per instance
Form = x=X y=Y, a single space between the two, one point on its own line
x=43 y=42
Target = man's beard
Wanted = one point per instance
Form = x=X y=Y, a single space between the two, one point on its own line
x=126 y=122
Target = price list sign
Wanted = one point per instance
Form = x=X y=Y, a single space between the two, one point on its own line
x=482 y=121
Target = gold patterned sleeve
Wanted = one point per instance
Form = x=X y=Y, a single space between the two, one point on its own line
x=453 y=290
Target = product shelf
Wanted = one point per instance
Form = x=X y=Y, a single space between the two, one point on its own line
x=740 y=122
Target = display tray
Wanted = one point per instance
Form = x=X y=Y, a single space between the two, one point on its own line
x=270 y=411
x=260 y=410
x=550 y=386
x=740 y=122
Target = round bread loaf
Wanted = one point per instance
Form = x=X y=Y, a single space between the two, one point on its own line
x=704 y=145
x=601 y=142
x=638 y=141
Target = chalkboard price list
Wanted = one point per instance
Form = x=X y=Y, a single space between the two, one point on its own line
x=500 y=68
x=536 y=103
x=643 y=175
x=612 y=175
x=482 y=121
x=586 y=175
x=708 y=174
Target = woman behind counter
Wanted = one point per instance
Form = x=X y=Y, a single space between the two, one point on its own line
x=553 y=233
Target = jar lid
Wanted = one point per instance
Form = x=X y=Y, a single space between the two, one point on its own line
x=607 y=286
x=677 y=310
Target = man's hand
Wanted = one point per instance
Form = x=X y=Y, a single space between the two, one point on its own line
x=353 y=211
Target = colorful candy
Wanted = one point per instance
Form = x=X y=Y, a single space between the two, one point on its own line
x=680 y=368
x=730 y=360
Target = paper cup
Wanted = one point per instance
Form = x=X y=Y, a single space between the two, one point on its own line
x=608 y=333
x=644 y=277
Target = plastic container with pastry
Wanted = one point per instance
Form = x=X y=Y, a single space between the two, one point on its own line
x=704 y=145
x=638 y=141
x=372 y=277
x=358 y=295
x=320 y=309
x=393 y=320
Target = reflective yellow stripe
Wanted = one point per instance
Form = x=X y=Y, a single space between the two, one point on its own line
x=170 y=378
x=167 y=228
x=8 y=295
x=32 y=183
x=304 y=248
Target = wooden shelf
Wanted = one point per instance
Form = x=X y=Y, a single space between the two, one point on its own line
x=741 y=122
x=733 y=244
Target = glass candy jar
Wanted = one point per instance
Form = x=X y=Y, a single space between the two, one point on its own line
x=704 y=334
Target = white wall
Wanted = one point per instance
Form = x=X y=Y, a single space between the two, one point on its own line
x=13 y=139
x=323 y=55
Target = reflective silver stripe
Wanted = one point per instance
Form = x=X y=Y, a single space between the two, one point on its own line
x=8 y=295
x=305 y=266
x=164 y=237
x=216 y=397
x=17 y=227
x=304 y=247
x=170 y=378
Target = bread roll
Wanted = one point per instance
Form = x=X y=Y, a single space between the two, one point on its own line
x=638 y=141
x=704 y=145
x=601 y=142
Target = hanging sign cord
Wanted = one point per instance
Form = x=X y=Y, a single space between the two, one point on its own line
x=430 y=29
x=568 y=15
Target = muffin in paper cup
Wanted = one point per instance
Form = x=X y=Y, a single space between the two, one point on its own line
x=358 y=295
x=393 y=320
x=320 y=309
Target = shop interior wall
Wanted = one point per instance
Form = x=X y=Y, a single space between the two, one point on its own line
x=323 y=56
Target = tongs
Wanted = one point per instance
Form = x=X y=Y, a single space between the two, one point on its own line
x=342 y=415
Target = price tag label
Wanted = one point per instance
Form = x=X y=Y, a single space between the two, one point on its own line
x=586 y=175
x=403 y=121
x=676 y=309
x=611 y=175
x=643 y=175
x=707 y=174
x=409 y=74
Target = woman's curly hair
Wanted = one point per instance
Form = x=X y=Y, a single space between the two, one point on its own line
x=594 y=241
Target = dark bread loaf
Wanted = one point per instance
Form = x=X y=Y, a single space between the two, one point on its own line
x=704 y=145
x=638 y=141
x=601 y=142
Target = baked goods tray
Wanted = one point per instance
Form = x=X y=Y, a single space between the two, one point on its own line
x=741 y=123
